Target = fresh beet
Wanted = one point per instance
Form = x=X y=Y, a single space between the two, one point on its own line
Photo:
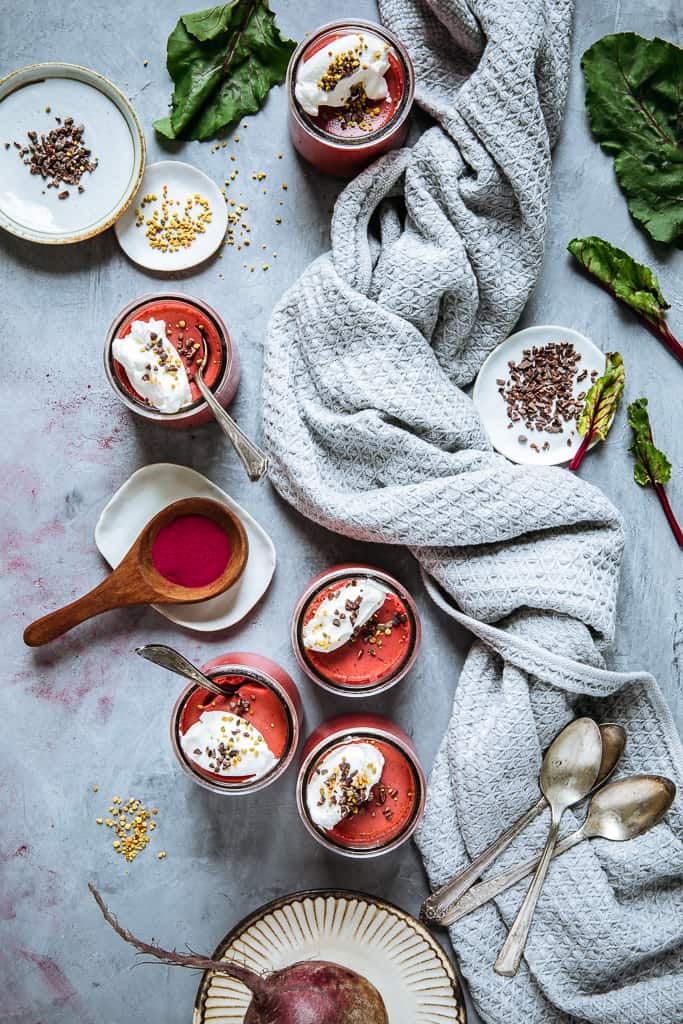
x=310 y=992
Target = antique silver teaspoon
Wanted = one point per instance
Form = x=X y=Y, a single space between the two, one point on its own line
x=252 y=458
x=619 y=811
x=176 y=662
x=568 y=773
x=438 y=905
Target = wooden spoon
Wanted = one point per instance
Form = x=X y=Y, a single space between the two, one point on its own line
x=136 y=581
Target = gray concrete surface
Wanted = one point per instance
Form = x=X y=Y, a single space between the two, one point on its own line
x=85 y=711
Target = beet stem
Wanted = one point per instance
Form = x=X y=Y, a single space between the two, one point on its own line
x=661 y=329
x=669 y=513
x=253 y=981
x=580 y=452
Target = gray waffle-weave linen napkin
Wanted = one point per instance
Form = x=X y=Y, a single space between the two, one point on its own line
x=370 y=435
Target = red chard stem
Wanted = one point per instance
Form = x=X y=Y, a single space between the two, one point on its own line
x=580 y=452
x=669 y=513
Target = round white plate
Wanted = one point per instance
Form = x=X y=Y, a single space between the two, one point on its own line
x=112 y=132
x=391 y=949
x=154 y=487
x=183 y=181
x=493 y=409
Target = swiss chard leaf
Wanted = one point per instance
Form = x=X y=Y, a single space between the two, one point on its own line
x=634 y=100
x=652 y=465
x=629 y=281
x=223 y=62
x=602 y=399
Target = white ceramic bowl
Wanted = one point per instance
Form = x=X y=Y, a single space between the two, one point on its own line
x=30 y=100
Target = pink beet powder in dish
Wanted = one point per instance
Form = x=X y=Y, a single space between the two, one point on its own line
x=192 y=551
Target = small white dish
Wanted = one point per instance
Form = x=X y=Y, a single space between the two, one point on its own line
x=493 y=409
x=183 y=182
x=377 y=940
x=30 y=100
x=154 y=487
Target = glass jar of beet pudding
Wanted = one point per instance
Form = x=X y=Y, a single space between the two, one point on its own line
x=360 y=789
x=350 y=90
x=152 y=351
x=244 y=741
x=356 y=630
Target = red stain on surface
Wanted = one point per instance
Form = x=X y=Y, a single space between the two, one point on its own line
x=105 y=706
x=54 y=976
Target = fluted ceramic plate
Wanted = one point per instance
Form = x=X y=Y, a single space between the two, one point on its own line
x=493 y=409
x=30 y=100
x=389 y=947
x=154 y=487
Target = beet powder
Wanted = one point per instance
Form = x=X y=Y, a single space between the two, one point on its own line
x=192 y=551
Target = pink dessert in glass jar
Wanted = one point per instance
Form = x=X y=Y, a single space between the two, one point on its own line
x=350 y=90
x=360 y=788
x=244 y=741
x=356 y=631
x=152 y=352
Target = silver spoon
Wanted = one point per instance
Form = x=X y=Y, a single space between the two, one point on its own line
x=568 y=773
x=620 y=811
x=252 y=458
x=176 y=662
x=437 y=906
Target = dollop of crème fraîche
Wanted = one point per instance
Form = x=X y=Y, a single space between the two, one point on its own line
x=342 y=782
x=345 y=610
x=228 y=745
x=155 y=370
x=353 y=62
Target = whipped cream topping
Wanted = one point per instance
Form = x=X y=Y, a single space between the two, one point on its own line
x=316 y=75
x=153 y=367
x=341 y=783
x=343 y=611
x=228 y=745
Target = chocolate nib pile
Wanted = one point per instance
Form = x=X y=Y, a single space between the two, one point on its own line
x=59 y=156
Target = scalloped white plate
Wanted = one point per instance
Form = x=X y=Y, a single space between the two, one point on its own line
x=492 y=408
x=154 y=487
x=183 y=182
x=30 y=99
x=389 y=947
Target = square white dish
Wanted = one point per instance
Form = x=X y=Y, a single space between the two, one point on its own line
x=154 y=487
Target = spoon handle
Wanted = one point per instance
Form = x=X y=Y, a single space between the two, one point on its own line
x=252 y=458
x=174 y=661
x=436 y=907
x=508 y=960
x=492 y=887
x=114 y=592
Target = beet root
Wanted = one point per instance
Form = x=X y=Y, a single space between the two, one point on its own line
x=309 y=992
x=317 y=992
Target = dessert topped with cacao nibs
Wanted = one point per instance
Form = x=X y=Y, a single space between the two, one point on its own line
x=356 y=632
x=349 y=84
x=361 y=792
x=237 y=738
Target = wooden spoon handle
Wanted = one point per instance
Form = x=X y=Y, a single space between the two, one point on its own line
x=108 y=594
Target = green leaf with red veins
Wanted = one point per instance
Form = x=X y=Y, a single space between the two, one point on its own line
x=223 y=61
x=602 y=399
x=627 y=280
x=652 y=465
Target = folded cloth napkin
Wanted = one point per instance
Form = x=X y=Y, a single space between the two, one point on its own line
x=369 y=434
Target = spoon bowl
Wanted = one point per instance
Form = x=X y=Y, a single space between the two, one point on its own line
x=135 y=580
x=628 y=807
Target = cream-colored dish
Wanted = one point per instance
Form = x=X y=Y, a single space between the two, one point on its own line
x=154 y=487
x=387 y=946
